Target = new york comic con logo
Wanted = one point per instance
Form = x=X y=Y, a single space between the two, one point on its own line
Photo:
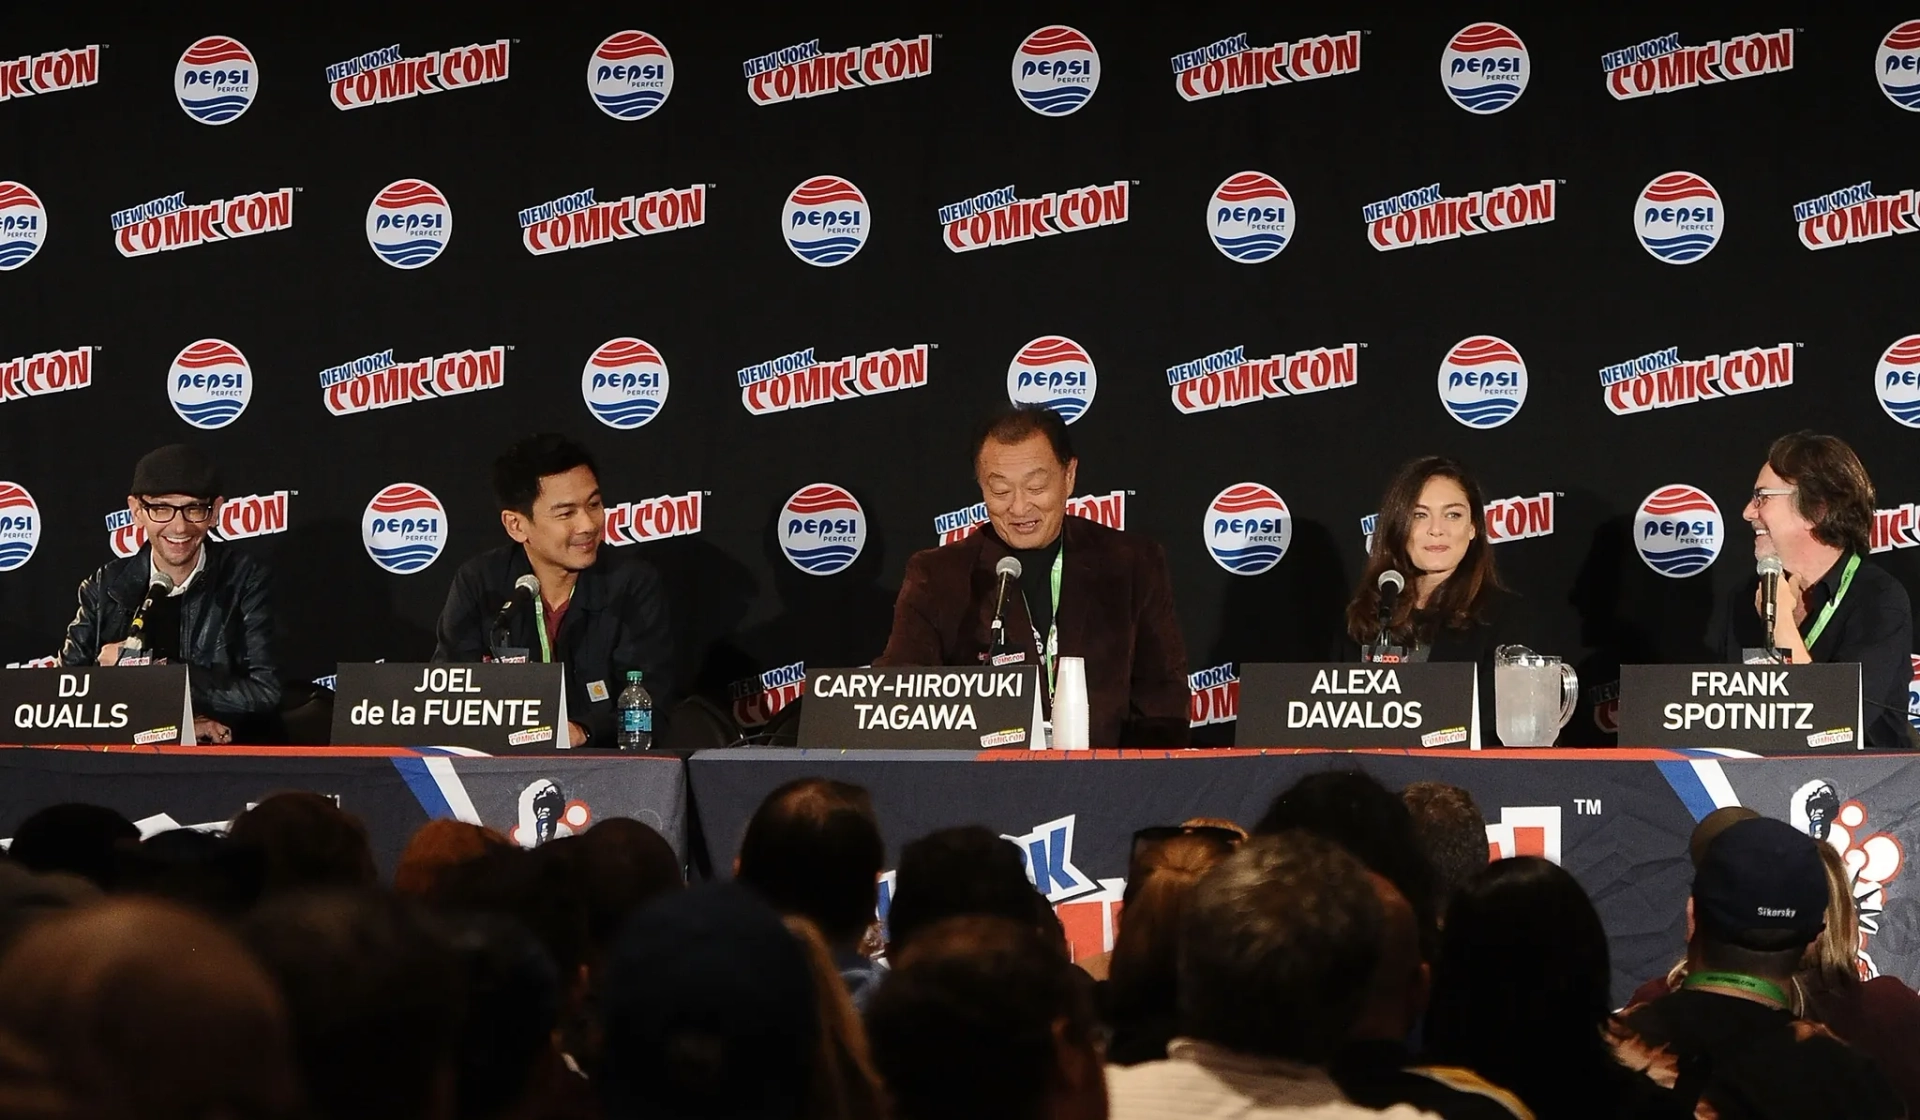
x=1508 y=519
x=23 y=225
x=1663 y=379
x=404 y=528
x=1854 y=214
x=758 y=699
x=390 y=74
x=652 y=519
x=1428 y=215
x=624 y=383
x=799 y=380
x=249 y=515
x=804 y=70
x=49 y=72
x=1678 y=531
x=210 y=383
x=169 y=222
x=19 y=526
x=1665 y=65
x=215 y=80
x=578 y=220
x=1484 y=68
x=1109 y=509
x=1229 y=378
x=1898 y=527
x=629 y=75
x=1002 y=217
x=45 y=373
x=822 y=529
x=1055 y=71
x=1236 y=65
x=377 y=381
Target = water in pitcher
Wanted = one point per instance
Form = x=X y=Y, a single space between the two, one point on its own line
x=1526 y=704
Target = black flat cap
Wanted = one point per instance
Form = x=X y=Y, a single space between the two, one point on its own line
x=177 y=468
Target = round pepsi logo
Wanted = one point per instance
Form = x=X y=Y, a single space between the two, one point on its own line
x=23 y=225
x=822 y=529
x=1897 y=381
x=409 y=223
x=1055 y=71
x=1250 y=217
x=1896 y=66
x=19 y=526
x=630 y=75
x=624 y=383
x=1677 y=530
x=1248 y=528
x=1484 y=68
x=216 y=80
x=1679 y=217
x=1913 y=693
x=210 y=383
x=826 y=221
x=404 y=528
x=1483 y=382
x=1056 y=372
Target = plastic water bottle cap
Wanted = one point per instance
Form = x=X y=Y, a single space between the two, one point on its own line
x=633 y=674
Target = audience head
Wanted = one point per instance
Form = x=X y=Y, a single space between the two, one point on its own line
x=371 y=990
x=1355 y=811
x=1712 y=825
x=843 y=1084
x=1759 y=898
x=625 y=865
x=543 y=888
x=980 y=1017
x=1279 y=945
x=967 y=870
x=1402 y=981
x=510 y=1011
x=202 y=869
x=1834 y=956
x=1453 y=833
x=83 y=840
x=1165 y=866
x=27 y=897
x=438 y=845
x=813 y=849
x=708 y=1010
x=139 y=1010
x=306 y=841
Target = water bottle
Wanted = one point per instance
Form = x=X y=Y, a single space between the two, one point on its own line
x=636 y=715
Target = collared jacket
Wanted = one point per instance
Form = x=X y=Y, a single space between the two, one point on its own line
x=226 y=628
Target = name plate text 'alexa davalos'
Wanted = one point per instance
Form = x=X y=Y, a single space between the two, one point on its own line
x=1411 y=704
x=492 y=707
x=1764 y=709
x=970 y=708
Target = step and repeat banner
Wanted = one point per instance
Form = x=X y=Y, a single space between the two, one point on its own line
x=772 y=267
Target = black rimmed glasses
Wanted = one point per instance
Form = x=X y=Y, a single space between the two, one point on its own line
x=196 y=513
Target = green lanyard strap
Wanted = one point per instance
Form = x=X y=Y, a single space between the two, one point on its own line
x=1740 y=982
x=540 y=624
x=1833 y=604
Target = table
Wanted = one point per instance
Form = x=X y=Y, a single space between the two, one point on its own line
x=1617 y=819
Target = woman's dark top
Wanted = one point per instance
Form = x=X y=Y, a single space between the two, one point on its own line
x=1503 y=621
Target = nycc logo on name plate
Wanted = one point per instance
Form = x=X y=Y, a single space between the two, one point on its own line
x=1247 y=528
x=210 y=383
x=826 y=221
x=409 y=223
x=23 y=225
x=1483 y=381
x=1679 y=217
x=1678 y=531
x=630 y=75
x=822 y=529
x=216 y=80
x=1055 y=372
x=1484 y=68
x=624 y=383
x=404 y=528
x=1055 y=71
x=19 y=526
x=1897 y=381
x=1250 y=217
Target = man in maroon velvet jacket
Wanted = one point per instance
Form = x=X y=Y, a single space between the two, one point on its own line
x=1112 y=602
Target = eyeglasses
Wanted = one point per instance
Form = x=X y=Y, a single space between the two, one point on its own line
x=1762 y=493
x=161 y=513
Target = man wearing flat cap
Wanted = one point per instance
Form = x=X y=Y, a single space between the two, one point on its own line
x=213 y=615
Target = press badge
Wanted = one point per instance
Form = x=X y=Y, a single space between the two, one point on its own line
x=596 y=691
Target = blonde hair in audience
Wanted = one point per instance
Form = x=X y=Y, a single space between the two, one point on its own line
x=844 y=1084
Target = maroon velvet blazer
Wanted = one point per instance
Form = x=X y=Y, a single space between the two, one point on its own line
x=1116 y=610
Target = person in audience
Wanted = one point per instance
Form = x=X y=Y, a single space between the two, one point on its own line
x=813 y=848
x=844 y=1084
x=438 y=845
x=306 y=841
x=1278 y=947
x=967 y=870
x=1141 y=996
x=599 y=616
x=28 y=897
x=504 y=1055
x=199 y=868
x=1728 y=1038
x=79 y=839
x=1352 y=809
x=1453 y=833
x=1521 y=996
x=371 y=989
x=984 y=1017
x=1376 y=1068
x=624 y=864
x=140 y=1010
x=1709 y=826
x=1880 y=1016
x=707 y=1010
x=1812 y=507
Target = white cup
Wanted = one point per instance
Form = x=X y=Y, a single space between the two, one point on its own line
x=1070 y=727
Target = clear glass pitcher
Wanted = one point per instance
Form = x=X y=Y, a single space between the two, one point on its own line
x=1533 y=696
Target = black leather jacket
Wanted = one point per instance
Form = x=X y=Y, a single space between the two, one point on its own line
x=226 y=629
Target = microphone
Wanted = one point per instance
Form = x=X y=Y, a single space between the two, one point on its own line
x=136 y=640
x=1008 y=569
x=525 y=589
x=1390 y=584
x=1769 y=568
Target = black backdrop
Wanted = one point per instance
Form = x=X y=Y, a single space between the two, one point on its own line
x=1572 y=296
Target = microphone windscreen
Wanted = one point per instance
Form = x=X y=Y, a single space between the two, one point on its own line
x=529 y=583
x=1393 y=579
x=1008 y=566
x=1769 y=566
x=162 y=584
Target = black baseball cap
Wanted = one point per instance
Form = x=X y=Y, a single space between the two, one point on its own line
x=1761 y=885
x=177 y=468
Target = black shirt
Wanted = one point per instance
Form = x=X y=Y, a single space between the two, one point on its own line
x=161 y=630
x=1502 y=620
x=1873 y=625
x=1036 y=584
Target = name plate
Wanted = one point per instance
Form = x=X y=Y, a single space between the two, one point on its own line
x=96 y=705
x=933 y=709
x=499 y=709
x=1765 y=709
x=1413 y=704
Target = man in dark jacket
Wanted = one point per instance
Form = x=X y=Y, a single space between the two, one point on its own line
x=214 y=614
x=599 y=617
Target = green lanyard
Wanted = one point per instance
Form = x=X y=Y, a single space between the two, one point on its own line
x=1740 y=982
x=546 y=645
x=1050 y=649
x=1833 y=604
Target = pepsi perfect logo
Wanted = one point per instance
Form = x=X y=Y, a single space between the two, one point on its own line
x=1484 y=68
x=826 y=221
x=1247 y=529
x=1056 y=372
x=1678 y=531
x=624 y=383
x=1483 y=381
x=409 y=223
x=216 y=80
x=1913 y=693
x=210 y=383
x=1896 y=65
x=23 y=225
x=19 y=526
x=1897 y=381
x=629 y=75
x=1055 y=71
x=822 y=529
x=1250 y=217
x=1679 y=217
x=404 y=528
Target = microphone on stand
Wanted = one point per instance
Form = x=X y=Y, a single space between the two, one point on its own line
x=1008 y=569
x=1770 y=569
x=1390 y=584
x=133 y=649
x=525 y=589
